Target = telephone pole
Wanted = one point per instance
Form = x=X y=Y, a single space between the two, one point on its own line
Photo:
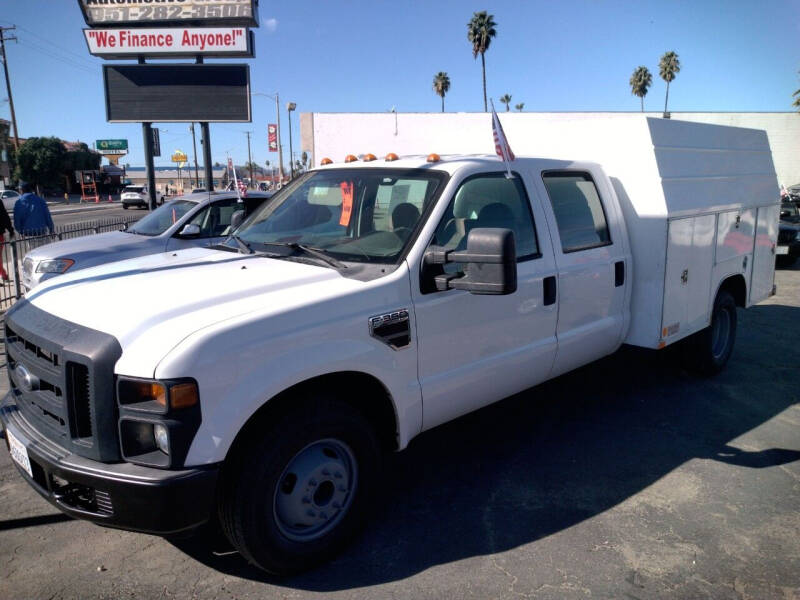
x=249 y=158
x=194 y=145
x=3 y=40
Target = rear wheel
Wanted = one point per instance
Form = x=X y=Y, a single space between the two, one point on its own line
x=296 y=491
x=708 y=351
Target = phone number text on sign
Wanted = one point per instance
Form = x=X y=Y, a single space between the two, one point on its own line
x=131 y=11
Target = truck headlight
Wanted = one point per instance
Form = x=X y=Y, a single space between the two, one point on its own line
x=57 y=265
x=157 y=420
x=162 y=437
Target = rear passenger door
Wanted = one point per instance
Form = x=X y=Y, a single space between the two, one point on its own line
x=593 y=268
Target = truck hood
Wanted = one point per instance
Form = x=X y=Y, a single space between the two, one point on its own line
x=88 y=246
x=152 y=303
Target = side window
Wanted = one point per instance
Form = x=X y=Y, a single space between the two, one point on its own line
x=578 y=210
x=399 y=204
x=489 y=200
x=215 y=220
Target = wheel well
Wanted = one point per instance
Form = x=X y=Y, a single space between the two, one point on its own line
x=736 y=287
x=362 y=391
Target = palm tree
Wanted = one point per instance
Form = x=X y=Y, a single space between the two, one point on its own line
x=441 y=85
x=519 y=106
x=640 y=81
x=506 y=99
x=668 y=67
x=796 y=102
x=480 y=31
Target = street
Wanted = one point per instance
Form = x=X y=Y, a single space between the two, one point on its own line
x=70 y=215
x=628 y=478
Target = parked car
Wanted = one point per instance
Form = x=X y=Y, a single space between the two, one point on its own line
x=192 y=220
x=788 y=249
x=137 y=195
x=10 y=198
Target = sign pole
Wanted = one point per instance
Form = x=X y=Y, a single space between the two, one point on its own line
x=147 y=134
x=206 y=137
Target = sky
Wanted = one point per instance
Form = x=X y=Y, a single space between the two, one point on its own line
x=371 y=56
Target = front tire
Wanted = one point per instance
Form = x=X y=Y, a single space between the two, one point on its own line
x=295 y=492
x=708 y=350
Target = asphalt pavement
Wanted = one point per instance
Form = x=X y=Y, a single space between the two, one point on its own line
x=628 y=478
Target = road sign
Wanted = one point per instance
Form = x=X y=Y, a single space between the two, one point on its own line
x=179 y=93
x=168 y=42
x=139 y=13
x=111 y=146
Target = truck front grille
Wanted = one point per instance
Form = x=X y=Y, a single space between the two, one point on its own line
x=62 y=379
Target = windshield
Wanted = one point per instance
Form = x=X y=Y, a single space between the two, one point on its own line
x=162 y=218
x=360 y=215
x=134 y=189
x=789 y=211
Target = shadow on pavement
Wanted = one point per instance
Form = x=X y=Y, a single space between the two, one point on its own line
x=554 y=455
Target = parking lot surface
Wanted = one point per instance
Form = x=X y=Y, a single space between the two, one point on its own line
x=628 y=478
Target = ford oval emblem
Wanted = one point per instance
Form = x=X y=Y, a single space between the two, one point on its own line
x=26 y=380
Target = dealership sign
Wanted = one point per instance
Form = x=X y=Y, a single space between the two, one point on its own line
x=174 y=41
x=147 y=13
x=111 y=146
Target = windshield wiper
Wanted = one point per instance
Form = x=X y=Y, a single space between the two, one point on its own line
x=243 y=246
x=311 y=251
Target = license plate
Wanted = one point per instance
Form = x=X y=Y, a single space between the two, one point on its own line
x=19 y=453
x=782 y=250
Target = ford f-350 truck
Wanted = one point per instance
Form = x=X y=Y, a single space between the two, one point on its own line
x=372 y=300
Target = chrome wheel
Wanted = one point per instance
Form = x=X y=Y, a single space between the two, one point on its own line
x=315 y=490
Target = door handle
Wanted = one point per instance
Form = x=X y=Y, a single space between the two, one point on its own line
x=549 y=290
x=619 y=273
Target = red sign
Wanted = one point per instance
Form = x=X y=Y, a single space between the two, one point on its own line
x=272 y=137
x=347 y=202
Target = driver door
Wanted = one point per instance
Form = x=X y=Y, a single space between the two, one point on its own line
x=214 y=222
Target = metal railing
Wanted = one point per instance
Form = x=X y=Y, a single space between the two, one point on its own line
x=13 y=251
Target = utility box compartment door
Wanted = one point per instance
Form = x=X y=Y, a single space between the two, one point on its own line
x=687 y=281
x=763 y=275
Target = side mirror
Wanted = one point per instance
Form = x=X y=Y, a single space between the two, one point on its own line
x=189 y=230
x=236 y=219
x=490 y=259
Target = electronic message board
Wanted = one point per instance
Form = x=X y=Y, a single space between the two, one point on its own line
x=148 y=13
x=177 y=93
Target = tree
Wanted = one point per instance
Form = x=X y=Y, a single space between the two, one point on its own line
x=668 y=67
x=481 y=29
x=796 y=102
x=506 y=99
x=640 y=81
x=441 y=85
x=519 y=106
x=40 y=161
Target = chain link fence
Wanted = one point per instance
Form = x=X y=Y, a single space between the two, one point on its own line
x=13 y=251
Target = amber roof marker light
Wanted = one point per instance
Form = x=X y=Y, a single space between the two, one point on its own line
x=433 y=157
x=390 y=157
x=326 y=161
x=369 y=157
x=350 y=158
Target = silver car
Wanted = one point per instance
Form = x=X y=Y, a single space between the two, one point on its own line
x=10 y=198
x=193 y=220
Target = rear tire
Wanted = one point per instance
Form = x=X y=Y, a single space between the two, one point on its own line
x=298 y=489
x=708 y=351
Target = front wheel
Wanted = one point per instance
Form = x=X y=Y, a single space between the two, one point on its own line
x=124 y=207
x=295 y=492
x=708 y=350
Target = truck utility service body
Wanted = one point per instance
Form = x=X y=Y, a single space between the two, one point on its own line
x=647 y=252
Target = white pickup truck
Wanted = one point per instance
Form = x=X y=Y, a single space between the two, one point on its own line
x=368 y=302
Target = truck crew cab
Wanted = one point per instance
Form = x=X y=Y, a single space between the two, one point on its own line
x=368 y=302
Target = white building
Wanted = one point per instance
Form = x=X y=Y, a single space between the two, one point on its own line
x=335 y=135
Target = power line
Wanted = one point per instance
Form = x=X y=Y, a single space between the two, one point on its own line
x=81 y=57
x=3 y=40
x=51 y=54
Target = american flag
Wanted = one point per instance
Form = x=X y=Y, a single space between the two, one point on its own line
x=501 y=147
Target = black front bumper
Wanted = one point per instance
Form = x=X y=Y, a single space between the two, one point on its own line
x=121 y=495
